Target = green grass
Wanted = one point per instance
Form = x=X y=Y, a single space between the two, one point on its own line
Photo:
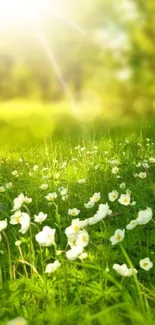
x=78 y=292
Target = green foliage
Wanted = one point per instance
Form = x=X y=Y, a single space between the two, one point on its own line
x=78 y=291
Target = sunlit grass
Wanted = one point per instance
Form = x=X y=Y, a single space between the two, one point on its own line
x=21 y=120
x=88 y=291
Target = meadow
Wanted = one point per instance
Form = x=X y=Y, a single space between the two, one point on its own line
x=77 y=231
x=77 y=162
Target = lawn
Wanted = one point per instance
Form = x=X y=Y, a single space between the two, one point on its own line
x=87 y=190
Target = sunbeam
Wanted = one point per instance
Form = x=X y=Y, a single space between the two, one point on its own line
x=79 y=29
x=55 y=65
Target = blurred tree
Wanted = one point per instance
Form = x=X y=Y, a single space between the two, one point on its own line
x=105 y=47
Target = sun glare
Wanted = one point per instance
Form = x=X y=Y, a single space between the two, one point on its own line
x=14 y=11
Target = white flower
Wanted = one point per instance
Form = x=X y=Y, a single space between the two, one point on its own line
x=144 y=216
x=72 y=238
x=15 y=173
x=18 y=202
x=25 y=222
x=122 y=185
x=35 y=168
x=146 y=264
x=142 y=175
x=73 y=212
x=89 y=205
x=109 y=212
x=124 y=199
x=83 y=256
x=118 y=236
x=95 y=198
x=18 y=242
x=15 y=218
x=43 y=186
x=52 y=267
x=3 y=224
x=46 y=237
x=133 y=203
x=9 y=185
x=74 y=253
x=64 y=164
x=114 y=162
x=101 y=214
x=45 y=177
x=76 y=225
x=83 y=238
x=40 y=217
x=27 y=200
x=131 y=225
x=64 y=197
x=113 y=196
x=123 y=270
x=138 y=165
x=62 y=190
x=115 y=170
x=17 y=321
x=82 y=181
x=152 y=160
x=2 y=189
x=51 y=196
x=145 y=165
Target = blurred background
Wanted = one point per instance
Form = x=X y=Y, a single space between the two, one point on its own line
x=73 y=62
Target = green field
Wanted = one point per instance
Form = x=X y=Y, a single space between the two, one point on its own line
x=82 y=288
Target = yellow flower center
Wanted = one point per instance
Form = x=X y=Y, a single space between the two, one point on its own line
x=84 y=239
x=145 y=264
x=74 y=243
x=17 y=219
x=76 y=228
x=118 y=237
